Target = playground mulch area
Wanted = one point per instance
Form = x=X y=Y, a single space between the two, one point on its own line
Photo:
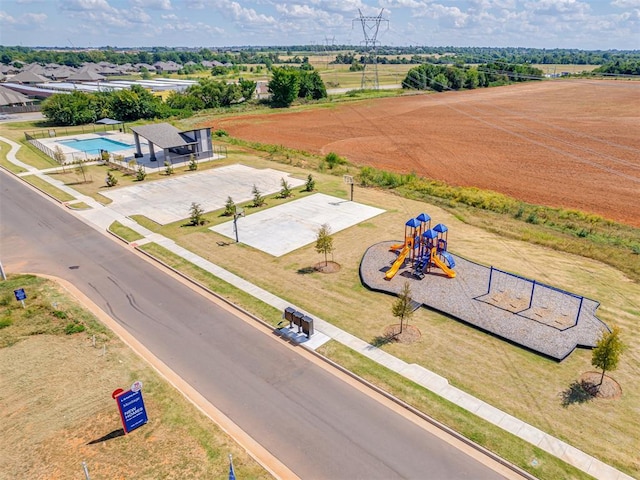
x=571 y=144
x=462 y=298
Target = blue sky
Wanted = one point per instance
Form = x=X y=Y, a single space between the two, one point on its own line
x=583 y=24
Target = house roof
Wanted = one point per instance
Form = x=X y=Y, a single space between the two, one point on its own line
x=29 y=77
x=9 y=97
x=86 y=76
x=164 y=135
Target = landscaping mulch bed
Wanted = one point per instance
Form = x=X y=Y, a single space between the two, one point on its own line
x=329 y=267
x=610 y=389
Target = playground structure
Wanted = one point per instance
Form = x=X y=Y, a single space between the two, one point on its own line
x=523 y=311
x=426 y=247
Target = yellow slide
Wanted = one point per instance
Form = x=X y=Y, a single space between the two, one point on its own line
x=398 y=263
x=440 y=264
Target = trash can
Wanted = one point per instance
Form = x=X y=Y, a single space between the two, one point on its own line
x=288 y=315
x=307 y=326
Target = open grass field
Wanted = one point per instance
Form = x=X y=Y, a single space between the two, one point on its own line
x=57 y=410
x=572 y=144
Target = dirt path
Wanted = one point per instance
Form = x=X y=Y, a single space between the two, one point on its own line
x=572 y=144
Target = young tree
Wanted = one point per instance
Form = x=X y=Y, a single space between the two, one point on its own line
x=258 y=199
x=81 y=169
x=285 y=191
x=310 y=185
x=196 y=214
x=402 y=306
x=229 y=207
x=193 y=165
x=324 y=242
x=607 y=351
x=168 y=168
x=59 y=156
x=111 y=180
x=141 y=174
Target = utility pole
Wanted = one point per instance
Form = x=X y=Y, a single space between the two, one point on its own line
x=370 y=27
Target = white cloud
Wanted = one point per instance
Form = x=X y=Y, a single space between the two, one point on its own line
x=154 y=4
x=34 y=18
x=626 y=3
x=87 y=5
x=6 y=18
x=243 y=15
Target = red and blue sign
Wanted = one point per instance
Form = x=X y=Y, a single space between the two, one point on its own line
x=131 y=406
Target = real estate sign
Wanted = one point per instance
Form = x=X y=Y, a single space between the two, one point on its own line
x=131 y=406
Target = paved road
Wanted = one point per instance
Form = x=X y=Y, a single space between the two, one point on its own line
x=315 y=423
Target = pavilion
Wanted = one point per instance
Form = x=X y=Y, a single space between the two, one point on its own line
x=175 y=144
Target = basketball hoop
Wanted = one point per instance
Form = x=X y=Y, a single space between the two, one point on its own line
x=348 y=179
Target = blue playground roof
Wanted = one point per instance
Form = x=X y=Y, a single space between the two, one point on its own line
x=414 y=223
x=431 y=233
x=423 y=217
x=441 y=227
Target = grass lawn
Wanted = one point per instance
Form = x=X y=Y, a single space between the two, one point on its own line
x=125 y=232
x=48 y=188
x=60 y=387
x=4 y=150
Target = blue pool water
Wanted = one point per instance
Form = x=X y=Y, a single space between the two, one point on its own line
x=94 y=145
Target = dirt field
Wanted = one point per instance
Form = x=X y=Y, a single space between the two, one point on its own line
x=572 y=144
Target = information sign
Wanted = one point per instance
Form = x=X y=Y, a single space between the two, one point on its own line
x=20 y=294
x=132 y=411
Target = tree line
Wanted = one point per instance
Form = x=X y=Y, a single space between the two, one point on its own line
x=287 y=84
x=346 y=54
x=451 y=77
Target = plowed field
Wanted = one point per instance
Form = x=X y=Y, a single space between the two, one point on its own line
x=572 y=144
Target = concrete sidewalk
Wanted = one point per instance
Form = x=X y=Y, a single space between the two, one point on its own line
x=101 y=217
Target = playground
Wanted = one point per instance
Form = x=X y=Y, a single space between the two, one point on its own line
x=539 y=317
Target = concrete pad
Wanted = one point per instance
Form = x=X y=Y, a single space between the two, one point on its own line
x=282 y=229
x=166 y=201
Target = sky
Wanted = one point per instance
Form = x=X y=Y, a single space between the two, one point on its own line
x=581 y=24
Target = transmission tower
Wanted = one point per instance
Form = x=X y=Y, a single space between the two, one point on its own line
x=370 y=27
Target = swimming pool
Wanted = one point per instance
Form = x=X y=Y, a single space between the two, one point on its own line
x=94 y=145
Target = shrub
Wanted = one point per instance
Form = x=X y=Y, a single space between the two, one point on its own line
x=310 y=185
x=334 y=159
x=285 y=191
x=60 y=314
x=168 y=168
x=196 y=214
x=5 y=322
x=141 y=174
x=229 y=207
x=221 y=133
x=258 y=199
x=193 y=165
x=74 y=327
x=111 y=180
